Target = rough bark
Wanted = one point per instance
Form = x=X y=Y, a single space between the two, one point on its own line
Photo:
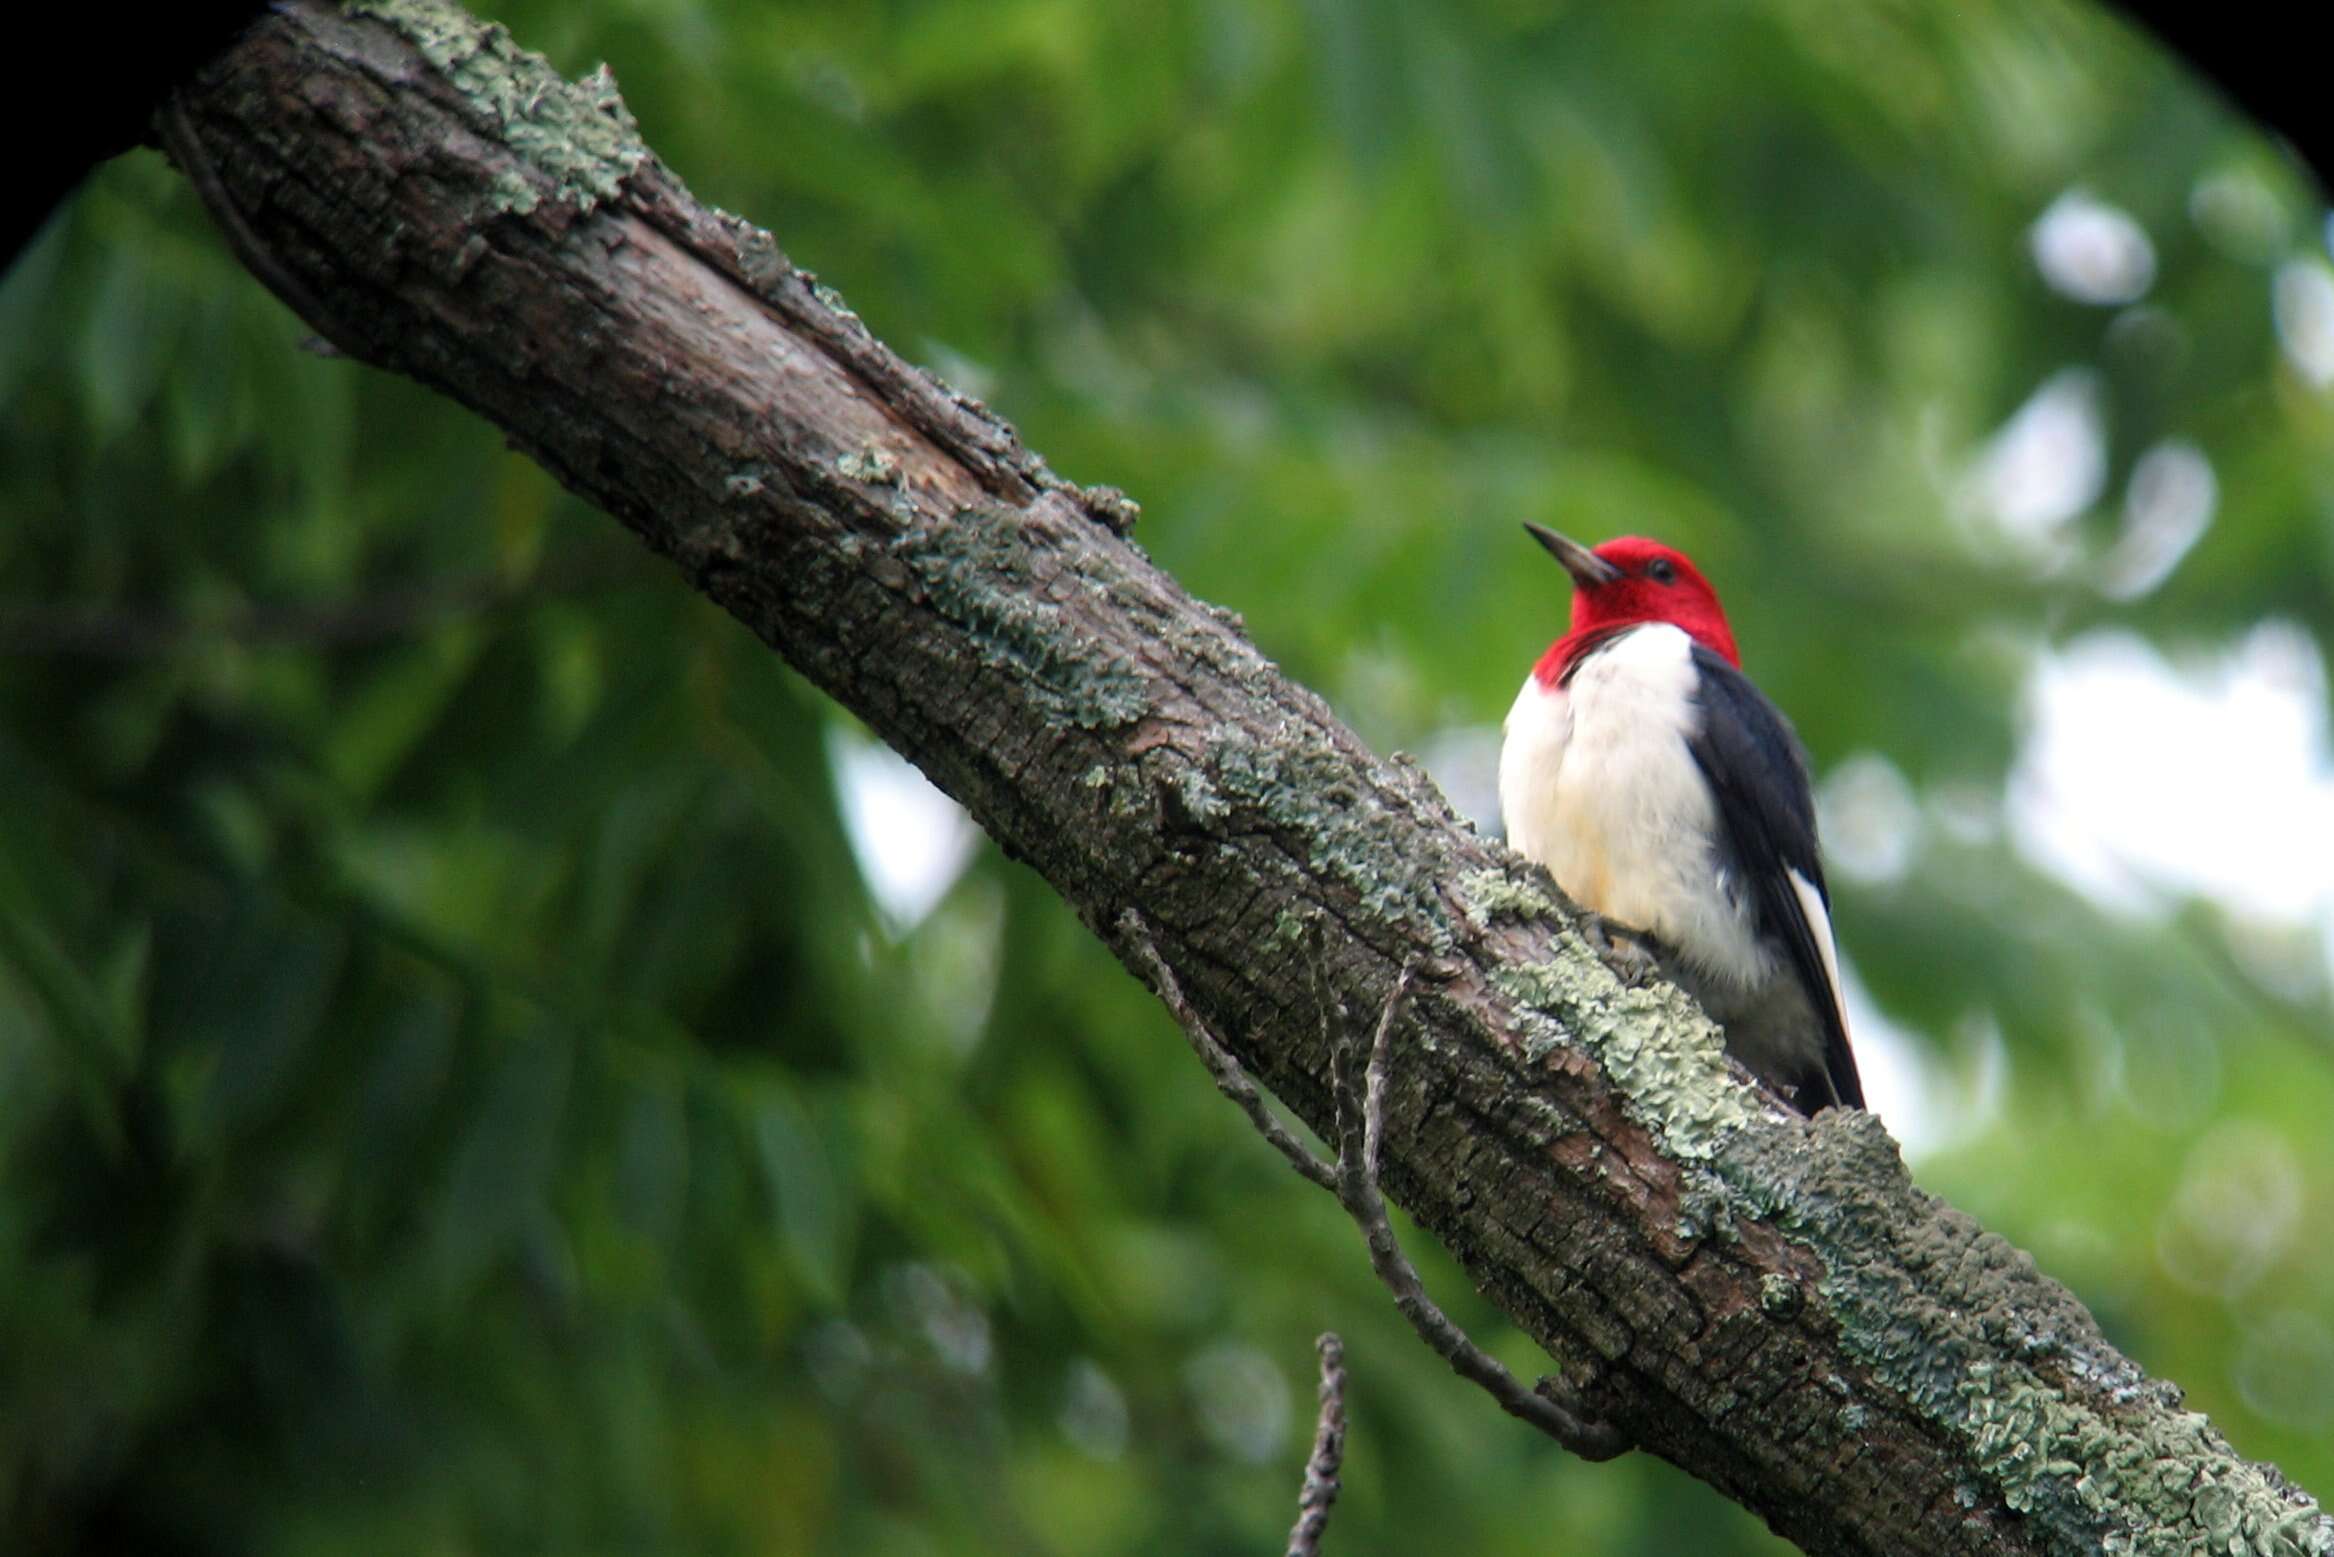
x=1769 y=1303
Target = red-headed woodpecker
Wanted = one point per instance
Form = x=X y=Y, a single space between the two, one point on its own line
x=1667 y=796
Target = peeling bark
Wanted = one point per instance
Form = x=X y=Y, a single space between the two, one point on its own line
x=1768 y=1303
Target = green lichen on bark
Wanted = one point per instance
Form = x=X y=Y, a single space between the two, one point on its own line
x=2171 y=1483
x=1960 y=1325
x=579 y=137
x=1499 y=894
x=1307 y=791
x=1665 y=1056
x=1197 y=798
x=976 y=570
x=871 y=465
x=1922 y=1296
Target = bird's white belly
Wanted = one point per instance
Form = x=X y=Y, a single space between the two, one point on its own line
x=1597 y=783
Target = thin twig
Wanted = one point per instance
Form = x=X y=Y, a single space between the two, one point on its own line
x=1231 y=1079
x=1353 y=1179
x=1321 y=1484
x=1362 y=1115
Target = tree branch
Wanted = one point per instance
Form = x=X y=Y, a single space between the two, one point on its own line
x=1766 y=1301
x=1361 y=1127
x=1353 y=1179
x=1321 y=1486
x=1229 y=1078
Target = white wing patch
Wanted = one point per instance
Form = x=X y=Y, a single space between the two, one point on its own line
x=1819 y=924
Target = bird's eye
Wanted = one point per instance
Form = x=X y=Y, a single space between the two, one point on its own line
x=1660 y=571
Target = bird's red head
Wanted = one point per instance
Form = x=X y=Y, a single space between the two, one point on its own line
x=1627 y=583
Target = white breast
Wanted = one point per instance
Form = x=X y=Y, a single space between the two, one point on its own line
x=1596 y=783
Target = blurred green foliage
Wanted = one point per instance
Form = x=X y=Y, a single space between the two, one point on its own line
x=457 y=1092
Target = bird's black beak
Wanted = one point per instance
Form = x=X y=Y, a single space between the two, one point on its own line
x=1588 y=570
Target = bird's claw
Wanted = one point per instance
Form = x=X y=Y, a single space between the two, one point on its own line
x=1632 y=954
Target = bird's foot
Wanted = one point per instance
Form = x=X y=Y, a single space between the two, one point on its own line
x=1633 y=954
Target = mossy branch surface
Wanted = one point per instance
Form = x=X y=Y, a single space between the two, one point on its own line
x=1769 y=1303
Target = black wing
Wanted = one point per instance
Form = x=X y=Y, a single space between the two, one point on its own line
x=1751 y=757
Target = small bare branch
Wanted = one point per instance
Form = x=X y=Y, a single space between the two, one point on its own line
x=1361 y=1112
x=1231 y=1079
x=1321 y=1484
x=1353 y=1179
